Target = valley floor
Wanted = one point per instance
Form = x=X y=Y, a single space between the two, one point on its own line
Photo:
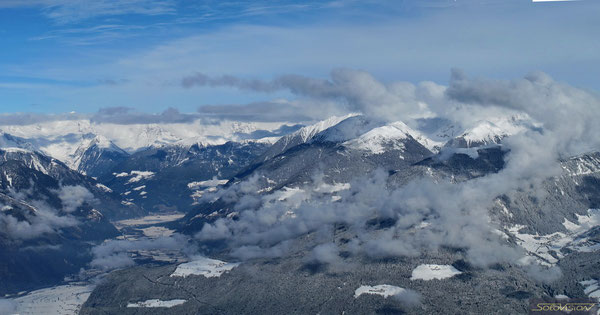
x=68 y=298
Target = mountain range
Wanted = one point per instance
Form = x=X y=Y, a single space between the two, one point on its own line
x=343 y=215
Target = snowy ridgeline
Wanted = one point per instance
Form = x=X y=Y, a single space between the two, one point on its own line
x=68 y=140
x=202 y=266
x=50 y=136
x=135 y=176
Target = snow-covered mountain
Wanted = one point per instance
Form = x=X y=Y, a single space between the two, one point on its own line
x=389 y=136
x=342 y=151
x=176 y=154
x=160 y=178
x=51 y=214
x=491 y=131
x=347 y=128
x=109 y=202
x=313 y=175
x=97 y=156
x=67 y=140
x=9 y=141
x=303 y=135
x=557 y=228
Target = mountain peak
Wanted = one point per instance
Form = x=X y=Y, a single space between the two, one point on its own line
x=490 y=131
x=377 y=139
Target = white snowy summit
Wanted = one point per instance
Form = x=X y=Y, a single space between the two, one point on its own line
x=380 y=139
x=303 y=135
x=67 y=140
x=491 y=131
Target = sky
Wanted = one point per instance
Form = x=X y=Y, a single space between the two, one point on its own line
x=60 y=56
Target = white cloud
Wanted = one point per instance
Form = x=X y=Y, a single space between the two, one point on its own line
x=73 y=197
x=67 y=11
x=412 y=49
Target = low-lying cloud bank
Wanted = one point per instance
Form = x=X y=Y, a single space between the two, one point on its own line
x=115 y=254
x=455 y=214
x=36 y=217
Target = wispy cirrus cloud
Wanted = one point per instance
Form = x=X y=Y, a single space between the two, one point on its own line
x=174 y=13
x=69 y=11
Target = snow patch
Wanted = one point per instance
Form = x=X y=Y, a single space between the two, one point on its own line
x=543 y=246
x=582 y=165
x=591 y=288
x=157 y=303
x=148 y=220
x=139 y=175
x=384 y=290
x=588 y=221
x=207 y=183
x=59 y=300
x=429 y=272
x=157 y=231
x=136 y=176
x=203 y=266
x=104 y=188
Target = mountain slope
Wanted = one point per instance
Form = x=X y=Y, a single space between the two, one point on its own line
x=170 y=177
x=301 y=136
x=552 y=230
x=490 y=132
x=61 y=139
x=45 y=219
x=341 y=151
x=98 y=156
x=109 y=202
x=336 y=155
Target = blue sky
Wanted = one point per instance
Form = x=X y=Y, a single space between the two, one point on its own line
x=82 y=55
